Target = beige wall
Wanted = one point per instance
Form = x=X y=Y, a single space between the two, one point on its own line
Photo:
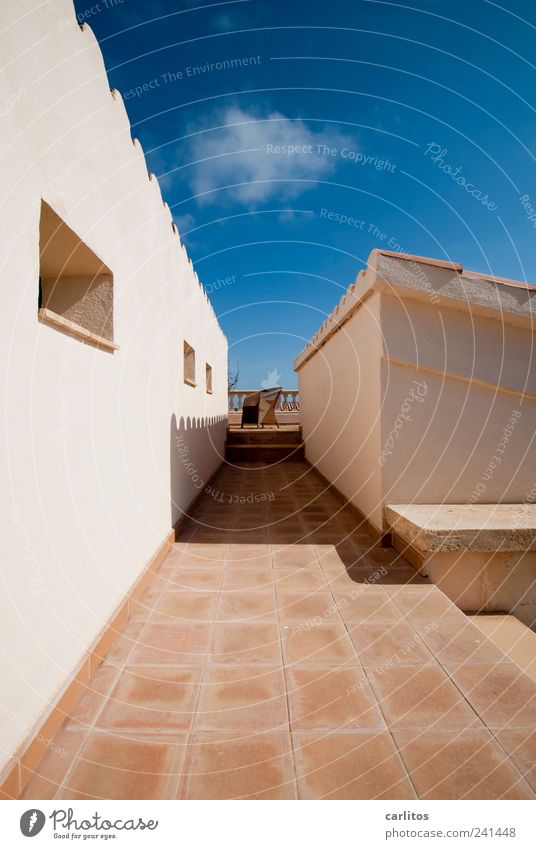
x=87 y=301
x=340 y=409
x=89 y=457
x=421 y=388
x=470 y=428
x=487 y=581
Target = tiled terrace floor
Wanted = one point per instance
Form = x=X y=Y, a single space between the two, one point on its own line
x=278 y=654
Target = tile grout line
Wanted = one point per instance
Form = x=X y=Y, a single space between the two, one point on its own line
x=122 y=667
x=183 y=780
x=286 y=683
x=387 y=725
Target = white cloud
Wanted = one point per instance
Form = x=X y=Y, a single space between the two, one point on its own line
x=266 y=155
x=184 y=223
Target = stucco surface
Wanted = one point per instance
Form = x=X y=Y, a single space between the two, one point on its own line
x=340 y=409
x=452 y=355
x=469 y=527
x=101 y=451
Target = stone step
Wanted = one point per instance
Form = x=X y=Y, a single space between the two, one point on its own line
x=263 y=437
x=264 y=452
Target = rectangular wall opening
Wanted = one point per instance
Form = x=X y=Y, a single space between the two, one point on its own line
x=75 y=286
x=208 y=379
x=189 y=364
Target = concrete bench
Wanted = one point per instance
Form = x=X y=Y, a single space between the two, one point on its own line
x=483 y=556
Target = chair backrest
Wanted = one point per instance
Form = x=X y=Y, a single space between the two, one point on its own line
x=252 y=400
x=267 y=403
x=250 y=408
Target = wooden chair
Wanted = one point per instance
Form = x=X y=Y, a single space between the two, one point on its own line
x=250 y=409
x=259 y=407
x=267 y=404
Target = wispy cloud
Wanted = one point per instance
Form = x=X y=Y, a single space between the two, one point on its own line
x=259 y=156
x=184 y=223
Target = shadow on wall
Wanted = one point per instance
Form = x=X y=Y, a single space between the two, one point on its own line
x=196 y=450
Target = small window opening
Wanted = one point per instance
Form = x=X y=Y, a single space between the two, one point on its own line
x=75 y=286
x=189 y=364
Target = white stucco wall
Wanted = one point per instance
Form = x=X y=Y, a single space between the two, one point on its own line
x=340 y=410
x=470 y=433
x=442 y=405
x=89 y=454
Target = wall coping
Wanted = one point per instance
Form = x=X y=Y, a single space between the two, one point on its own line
x=430 y=528
x=405 y=275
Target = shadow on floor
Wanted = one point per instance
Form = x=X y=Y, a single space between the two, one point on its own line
x=288 y=504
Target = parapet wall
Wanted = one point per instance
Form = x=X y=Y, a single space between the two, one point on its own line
x=94 y=440
x=420 y=387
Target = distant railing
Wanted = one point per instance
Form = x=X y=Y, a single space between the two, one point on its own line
x=289 y=400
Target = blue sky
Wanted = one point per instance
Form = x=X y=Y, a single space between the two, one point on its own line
x=291 y=138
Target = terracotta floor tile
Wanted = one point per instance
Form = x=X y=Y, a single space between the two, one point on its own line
x=211 y=535
x=237 y=765
x=199 y=561
x=289 y=579
x=242 y=536
x=49 y=774
x=338 y=559
x=378 y=557
x=326 y=532
x=460 y=765
x=307 y=607
x=250 y=586
x=397 y=573
x=245 y=605
x=207 y=551
x=328 y=698
x=253 y=578
x=141 y=610
x=367 y=604
x=186 y=578
x=388 y=643
x=242 y=698
x=288 y=536
x=124 y=643
x=350 y=765
x=454 y=642
x=172 y=645
x=420 y=697
x=264 y=561
x=92 y=700
x=172 y=559
x=241 y=643
x=248 y=552
x=347 y=580
x=186 y=607
x=294 y=555
x=153 y=699
x=501 y=693
x=427 y=604
x=326 y=644
x=112 y=766
x=520 y=745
